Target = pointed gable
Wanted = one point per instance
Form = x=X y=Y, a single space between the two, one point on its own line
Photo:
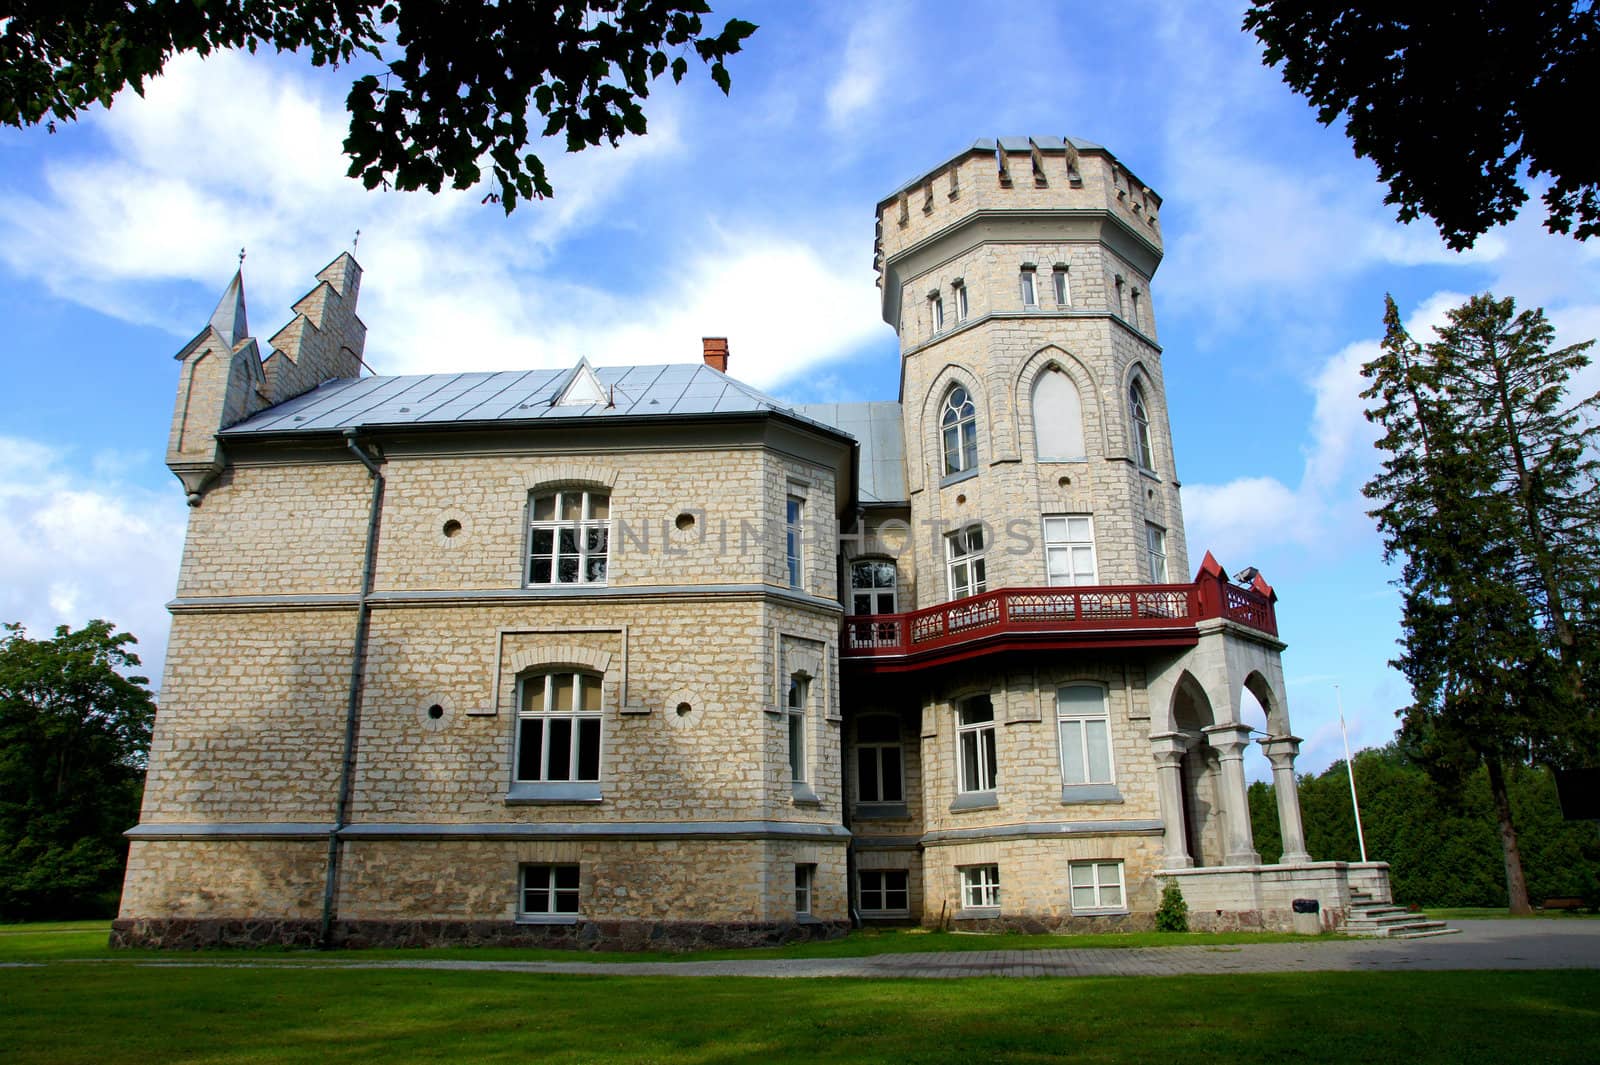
x=582 y=388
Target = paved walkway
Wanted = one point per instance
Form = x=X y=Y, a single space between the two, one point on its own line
x=1522 y=944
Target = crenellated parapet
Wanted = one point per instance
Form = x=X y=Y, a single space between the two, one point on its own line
x=1047 y=187
x=223 y=379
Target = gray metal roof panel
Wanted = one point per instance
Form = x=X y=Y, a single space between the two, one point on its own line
x=877 y=429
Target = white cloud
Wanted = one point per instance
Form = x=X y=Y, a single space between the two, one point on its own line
x=82 y=546
x=234 y=150
x=866 y=65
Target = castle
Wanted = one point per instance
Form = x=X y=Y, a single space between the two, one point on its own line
x=630 y=656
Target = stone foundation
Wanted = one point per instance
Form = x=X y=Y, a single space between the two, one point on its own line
x=1261 y=897
x=1063 y=924
x=201 y=934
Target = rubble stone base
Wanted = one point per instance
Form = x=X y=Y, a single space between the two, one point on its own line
x=198 y=934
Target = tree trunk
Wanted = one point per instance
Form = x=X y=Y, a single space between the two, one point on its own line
x=1516 y=883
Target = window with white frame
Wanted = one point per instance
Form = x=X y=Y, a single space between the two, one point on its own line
x=1085 y=727
x=883 y=891
x=936 y=310
x=1057 y=418
x=961 y=301
x=1030 y=295
x=558 y=727
x=1063 y=287
x=878 y=759
x=1155 y=542
x=1069 y=549
x=798 y=690
x=794 y=529
x=975 y=744
x=1139 y=417
x=872 y=587
x=980 y=887
x=568 y=536
x=548 y=891
x=958 y=425
x=1097 y=887
x=804 y=881
x=964 y=564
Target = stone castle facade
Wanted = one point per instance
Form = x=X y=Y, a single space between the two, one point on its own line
x=638 y=656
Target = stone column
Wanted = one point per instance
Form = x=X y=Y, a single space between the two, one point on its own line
x=1230 y=742
x=1168 y=748
x=1281 y=751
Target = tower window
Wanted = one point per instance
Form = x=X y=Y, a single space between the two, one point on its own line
x=794 y=528
x=1058 y=277
x=1139 y=415
x=1069 y=549
x=1030 y=297
x=798 y=686
x=1155 y=538
x=1057 y=418
x=936 y=308
x=959 y=429
x=961 y=302
x=964 y=562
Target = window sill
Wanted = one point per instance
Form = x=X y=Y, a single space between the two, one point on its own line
x=802 y=794
x=976 y=800
x=1086 y=793
x=1114 y=912
x=573 y=588
x=541 y=792
x=806 y=918
x=880 y=811
x=976 y=914
x=547 y=918
x=884 y=915
x=957 y=477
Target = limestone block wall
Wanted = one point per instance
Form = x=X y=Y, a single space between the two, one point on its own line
x=252 y=717
x=723 y=757
x=735 y=535
x=269 y=530
x=649 y=881
x=1035 y=882
x=1028 y=778
x=225 y=879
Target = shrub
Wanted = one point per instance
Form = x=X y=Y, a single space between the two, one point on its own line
x=1173 y=913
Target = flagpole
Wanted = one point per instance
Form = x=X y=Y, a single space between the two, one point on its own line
x=1350 y=771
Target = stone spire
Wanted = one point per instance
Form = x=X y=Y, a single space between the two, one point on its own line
x=228 y=319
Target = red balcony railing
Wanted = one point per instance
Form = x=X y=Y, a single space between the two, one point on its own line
x=1155 y=612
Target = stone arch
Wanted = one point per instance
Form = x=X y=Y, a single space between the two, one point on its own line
x=1271 y=702
x=1027 y=379
x=568 y=475
x=554 y=657
x=1199 y=772
x=929 y=447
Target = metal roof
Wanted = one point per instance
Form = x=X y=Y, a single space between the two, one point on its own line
x=507 y=396
x=877 y=427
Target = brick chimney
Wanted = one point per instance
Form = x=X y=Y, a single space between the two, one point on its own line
x=716 y=352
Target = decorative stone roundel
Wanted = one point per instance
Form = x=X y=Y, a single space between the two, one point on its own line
x=435 y=712
x=682 y=709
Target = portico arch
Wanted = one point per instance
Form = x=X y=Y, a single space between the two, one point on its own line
x=1199 y=773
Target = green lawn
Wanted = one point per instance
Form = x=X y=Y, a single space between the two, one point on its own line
x=110 y=1014
x=87 y=939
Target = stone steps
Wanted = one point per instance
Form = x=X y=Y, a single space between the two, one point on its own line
x=1380 y=919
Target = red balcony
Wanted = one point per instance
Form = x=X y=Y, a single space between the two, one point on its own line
x=1103 y=616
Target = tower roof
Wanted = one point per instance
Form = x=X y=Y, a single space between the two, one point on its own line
x=228 y=319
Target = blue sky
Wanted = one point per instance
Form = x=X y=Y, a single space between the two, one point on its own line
x=750 y=216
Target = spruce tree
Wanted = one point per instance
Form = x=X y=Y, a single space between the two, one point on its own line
x=1487 y=495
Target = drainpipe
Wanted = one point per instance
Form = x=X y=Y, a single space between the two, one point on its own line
x=352 y=714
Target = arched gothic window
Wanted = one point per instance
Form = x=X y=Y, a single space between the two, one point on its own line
x=1139 y=414
x=1057 y=418
x=959 y=430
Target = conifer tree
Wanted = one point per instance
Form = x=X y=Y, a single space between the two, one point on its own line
x=1487 y=494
